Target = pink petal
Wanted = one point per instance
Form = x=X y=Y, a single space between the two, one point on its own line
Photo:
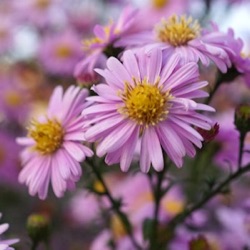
x=128 y=150
x=154 y=149
x=116 y=138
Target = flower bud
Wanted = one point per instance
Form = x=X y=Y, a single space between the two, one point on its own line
x=199 y=243
x=209 y=135
x=38 y=227
x=242 y=118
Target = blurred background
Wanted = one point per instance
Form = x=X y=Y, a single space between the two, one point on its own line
x=40 y=45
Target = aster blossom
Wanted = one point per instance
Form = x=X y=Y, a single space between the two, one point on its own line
x=58 y=53
x=148 y=97
x=99 y=47
x=54 y=145
x=184 y=35
x=5 y=244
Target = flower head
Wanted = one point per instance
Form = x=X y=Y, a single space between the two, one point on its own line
x=182 y=34
x=99 y=47
x=178 y=31
x=5 y=244
x=54 y=145
x=148 y=98
x=40 y=13
x=9 y=164
x=59 y=53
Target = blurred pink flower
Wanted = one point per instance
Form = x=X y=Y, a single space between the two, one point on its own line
x=7 y=27
x=59 y=53
x=14 y=100
x=40 y=13
x=54 y=145
x=181 y=34
x=236 y=224
x=228 y=142
x=97 y=48
x=156 y=9
x=84 y=207
x=9 y=162
x=240 y=61
x=147 y=97
x=5 y=244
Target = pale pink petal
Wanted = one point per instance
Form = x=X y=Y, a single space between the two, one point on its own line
x=74 y=150
x=118 y=70
x=55 y=101
x=154 y=149
x=144 y=156
x=128 y=150
x=116 y=138
x=154 y=65
x=130 y=63
x=3 y=228
x=25 y=141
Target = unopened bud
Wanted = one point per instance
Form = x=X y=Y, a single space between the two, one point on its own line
x=117 y=227
x=98 y=187
x=87 y=79
x=38 y=227
x=242 y=118
x=209 y=135
x=199 y=243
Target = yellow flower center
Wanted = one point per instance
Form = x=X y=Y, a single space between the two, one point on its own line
x=48 y=136
x=3 y=33
x=42 y=4
x=173 y=207
x=117 y=227
x=159 y=3
x=98 y=187
x=178 y=31
x=13 y=98
x=87 y=43
x=145 y=103
x=63 y=51
x=2 y=155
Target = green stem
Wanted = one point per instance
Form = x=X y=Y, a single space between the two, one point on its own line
x=211 y=94
x=158 y=193
x=116 y=206
x=34 y=245
x=242 y=139
x=231 y=74
x=183 y=216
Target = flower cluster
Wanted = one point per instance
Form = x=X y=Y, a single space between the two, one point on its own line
x=139 y=124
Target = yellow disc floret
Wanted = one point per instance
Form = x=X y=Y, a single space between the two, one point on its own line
x=117 y=227
x=13 y=98
x=178 y=31
x=91 y=43
x=48 y=136
x=145 y=103
x=159 y=3
x=42 y=4
x=63 y=51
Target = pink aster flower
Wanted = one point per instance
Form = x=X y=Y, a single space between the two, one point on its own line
x=5 y=244
x=9 y=163
x=60 y=53
x=228 y=143
x=6 y=34
x=98 y=48
x=156 y=9
x=240 y=61
x=54 y=145
x=14 y=100
x=181 y=34
x=40 y=13
x=147 y=97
